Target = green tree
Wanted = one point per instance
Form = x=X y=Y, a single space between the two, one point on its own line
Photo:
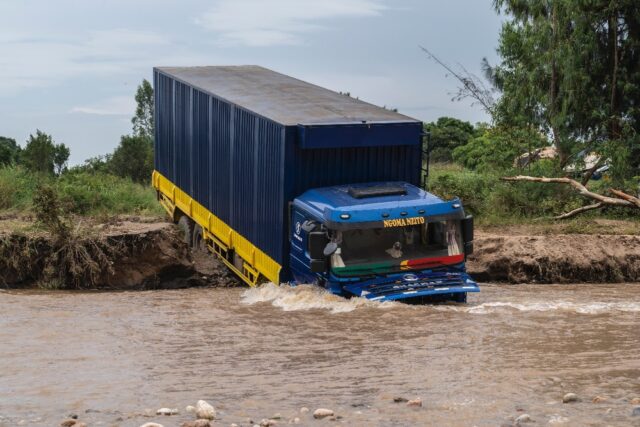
x=496 y=148
x=143 y=119
x=37 y=155
x=43 y=155
x=447 y=134
x=60 y=157
x=9 y=151
x=133 y=158
x=572 y=69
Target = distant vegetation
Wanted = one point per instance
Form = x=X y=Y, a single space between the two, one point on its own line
x=116 y=183
x=568 y=80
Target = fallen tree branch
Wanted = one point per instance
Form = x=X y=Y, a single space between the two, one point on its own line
x=575 y=184
x=622 y=199
x=627 y=197
x=579 y=211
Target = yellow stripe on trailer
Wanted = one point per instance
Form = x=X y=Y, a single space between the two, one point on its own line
x=223 y=237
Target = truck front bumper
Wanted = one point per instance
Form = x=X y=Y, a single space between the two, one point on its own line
x=416 y=287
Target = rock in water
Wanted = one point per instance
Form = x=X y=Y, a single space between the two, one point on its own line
x=415 y=403
x=400 y=399
x=151 y=425
x=636 y=412
x=196 y=423
x=635 y=401
x=205 y=411
x=190 y=409
x=599 y=399
x=167 y=411
x=68 y=423
x=570 y=397
x=268 y=423
x=524 y=418
x=322 y=413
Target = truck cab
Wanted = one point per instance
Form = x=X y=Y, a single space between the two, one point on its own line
x=382 y=241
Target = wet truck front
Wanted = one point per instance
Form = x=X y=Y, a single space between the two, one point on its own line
x=237 y=148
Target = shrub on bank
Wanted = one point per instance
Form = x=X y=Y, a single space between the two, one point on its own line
x=79 y=192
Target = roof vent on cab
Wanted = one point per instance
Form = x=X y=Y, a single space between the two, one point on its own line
x=377 y=191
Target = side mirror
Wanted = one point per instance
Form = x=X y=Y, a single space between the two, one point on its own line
x=330 y=249
x=317 y=242
x=467 y=234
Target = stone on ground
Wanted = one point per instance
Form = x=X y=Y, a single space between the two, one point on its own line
x=569 y=398
x=205 y=411
x=322 y=413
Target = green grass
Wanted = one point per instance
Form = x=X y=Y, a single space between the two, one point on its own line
x=496 y=203
x=80 y=193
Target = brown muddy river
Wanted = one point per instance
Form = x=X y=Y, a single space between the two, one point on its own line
x=512 y=350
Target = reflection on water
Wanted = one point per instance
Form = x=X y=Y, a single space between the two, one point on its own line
x=256 y=352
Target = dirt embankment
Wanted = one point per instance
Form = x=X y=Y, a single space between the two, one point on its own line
x=555 y=258
x=122 y=254
x=138 y=253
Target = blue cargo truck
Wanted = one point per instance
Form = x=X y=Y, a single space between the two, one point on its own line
x=288 y=182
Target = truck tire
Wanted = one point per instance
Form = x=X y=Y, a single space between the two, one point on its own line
x=185 y=225
x=198 y=243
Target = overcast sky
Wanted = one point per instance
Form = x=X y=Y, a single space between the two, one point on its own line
x=70 y=68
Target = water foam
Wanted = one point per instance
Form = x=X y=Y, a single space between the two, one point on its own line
x=568 y=306
x=306 y=297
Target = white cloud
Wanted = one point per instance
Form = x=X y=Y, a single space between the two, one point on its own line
x=279 y=22
x=115 y=106
x=28 y=60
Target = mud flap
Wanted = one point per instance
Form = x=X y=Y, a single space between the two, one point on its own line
x=412 y=286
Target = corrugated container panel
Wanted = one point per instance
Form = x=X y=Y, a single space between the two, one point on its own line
x=326 y=167
x=201 y=156
x=243 y=160
x=182 y=148
x=269 y=206
x=220 y=169
x=164 y=126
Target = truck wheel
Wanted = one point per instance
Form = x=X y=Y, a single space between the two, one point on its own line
x=185 y=225
x=198 y=243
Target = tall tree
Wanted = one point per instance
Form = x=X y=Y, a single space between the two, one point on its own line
x=448 y=133
x=61 y=155
x=143 y=119
x=572 y=69
x=133 y=158
x=9 y=151
x=42 y=155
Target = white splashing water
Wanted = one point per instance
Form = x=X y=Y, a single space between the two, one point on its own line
x=306 y=297
x=581 y=308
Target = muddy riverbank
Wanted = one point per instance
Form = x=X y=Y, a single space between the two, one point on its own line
x=140 y=253
x=122 y=254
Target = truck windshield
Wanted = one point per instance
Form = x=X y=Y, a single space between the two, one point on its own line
x=381 y=250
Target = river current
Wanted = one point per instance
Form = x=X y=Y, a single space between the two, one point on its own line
x=113 y=357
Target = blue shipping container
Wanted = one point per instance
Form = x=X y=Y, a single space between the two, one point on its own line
x=244 y=141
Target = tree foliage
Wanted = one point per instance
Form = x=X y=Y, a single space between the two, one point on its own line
x=143 y=119
x=133 y=158
x=496 y=148
x=572 y=69
x=9 y=151
x=446 y=134
x=43 y=155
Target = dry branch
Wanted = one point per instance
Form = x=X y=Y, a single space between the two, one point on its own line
x=579 y=211
x=622 y=199
x=627 y=197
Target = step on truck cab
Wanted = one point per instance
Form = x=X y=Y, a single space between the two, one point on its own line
x=288 y=182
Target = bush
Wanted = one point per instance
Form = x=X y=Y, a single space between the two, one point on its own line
x=101 y=193
x=78 y=192
x=17 y=187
